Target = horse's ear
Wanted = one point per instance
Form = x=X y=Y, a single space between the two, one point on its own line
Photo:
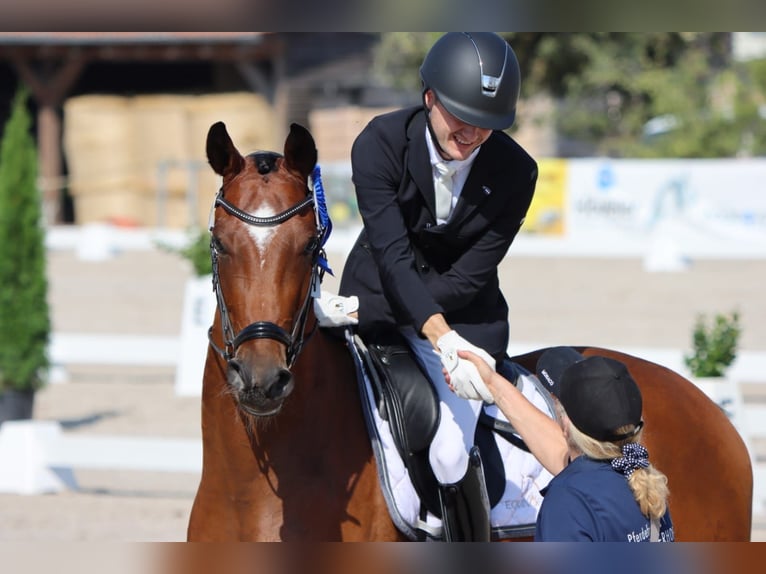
x=300 y=151
x=221 y=153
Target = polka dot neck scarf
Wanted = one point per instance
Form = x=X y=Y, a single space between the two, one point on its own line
x=634 y=456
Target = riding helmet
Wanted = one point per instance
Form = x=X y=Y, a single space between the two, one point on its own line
x=475 y=76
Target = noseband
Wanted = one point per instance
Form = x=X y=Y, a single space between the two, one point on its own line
x=294 y=341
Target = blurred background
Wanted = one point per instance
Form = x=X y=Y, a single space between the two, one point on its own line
x=647 y=233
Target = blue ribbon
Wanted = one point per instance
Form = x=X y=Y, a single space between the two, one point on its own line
x=325 y=223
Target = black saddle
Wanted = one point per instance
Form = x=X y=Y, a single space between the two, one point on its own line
x=407 y=400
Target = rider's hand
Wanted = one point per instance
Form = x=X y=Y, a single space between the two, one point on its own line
x=463 y=375
x=333 y=310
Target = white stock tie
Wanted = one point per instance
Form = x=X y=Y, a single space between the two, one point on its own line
x=443 y=189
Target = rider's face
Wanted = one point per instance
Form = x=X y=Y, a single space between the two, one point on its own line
x=456 y=138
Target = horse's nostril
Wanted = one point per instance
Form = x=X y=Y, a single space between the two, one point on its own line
x=236 y=374
x=281 y=386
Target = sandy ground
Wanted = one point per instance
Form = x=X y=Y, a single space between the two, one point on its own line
x=581 y=301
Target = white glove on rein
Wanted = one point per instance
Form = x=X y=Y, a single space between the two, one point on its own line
x=464 y=376
x=332 y=310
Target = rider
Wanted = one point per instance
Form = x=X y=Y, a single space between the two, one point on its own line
x=426 y=268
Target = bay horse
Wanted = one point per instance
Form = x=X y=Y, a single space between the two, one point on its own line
x=286 y=451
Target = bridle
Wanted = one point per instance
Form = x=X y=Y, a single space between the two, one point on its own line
x=295 y=340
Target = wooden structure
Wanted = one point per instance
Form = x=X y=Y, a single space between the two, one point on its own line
x=272 y=64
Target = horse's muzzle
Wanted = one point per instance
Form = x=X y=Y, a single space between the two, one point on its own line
x=260 y=392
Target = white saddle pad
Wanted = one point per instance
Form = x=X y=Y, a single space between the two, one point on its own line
x=525 y=476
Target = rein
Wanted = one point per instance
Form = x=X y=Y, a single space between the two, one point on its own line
x=294 y=341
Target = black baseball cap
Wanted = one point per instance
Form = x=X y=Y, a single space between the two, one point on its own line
x=598 y=393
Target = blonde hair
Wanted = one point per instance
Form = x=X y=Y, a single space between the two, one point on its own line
x=649 y=485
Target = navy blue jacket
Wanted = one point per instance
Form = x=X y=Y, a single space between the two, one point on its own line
x=404 y=267
x=589 y=500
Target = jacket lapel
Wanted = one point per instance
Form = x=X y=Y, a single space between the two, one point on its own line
x=419 y=162
x=477 y=188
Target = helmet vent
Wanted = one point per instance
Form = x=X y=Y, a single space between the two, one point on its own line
x=489 y=84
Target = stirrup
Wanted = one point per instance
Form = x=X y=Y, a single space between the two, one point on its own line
x=465 y=505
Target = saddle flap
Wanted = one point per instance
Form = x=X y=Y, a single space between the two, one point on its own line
x=411 y=401
x=512 y=475
x=408 y=401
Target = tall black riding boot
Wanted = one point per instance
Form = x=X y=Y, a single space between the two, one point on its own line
x=465 y=505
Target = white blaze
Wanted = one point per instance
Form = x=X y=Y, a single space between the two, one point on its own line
x=262 y=235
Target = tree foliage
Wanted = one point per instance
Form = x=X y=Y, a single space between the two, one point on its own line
x=24 y=314
x=398 y=57
x=196 y=251
x=609 y=86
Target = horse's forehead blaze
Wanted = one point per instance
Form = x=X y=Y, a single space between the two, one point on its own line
x=265 y=195
x=262 y=235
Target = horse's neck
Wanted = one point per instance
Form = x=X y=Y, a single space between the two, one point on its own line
x=325 y=381
x=313 y=457
x=221 y=421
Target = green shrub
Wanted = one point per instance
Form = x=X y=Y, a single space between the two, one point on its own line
x=714 y=345
x=196 y=251
x=24 y=314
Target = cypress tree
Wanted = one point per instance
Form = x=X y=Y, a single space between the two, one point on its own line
x=24 y=313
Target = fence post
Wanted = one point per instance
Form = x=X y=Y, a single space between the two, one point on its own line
x=23 y=458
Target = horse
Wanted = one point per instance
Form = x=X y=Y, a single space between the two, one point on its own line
x=286 y=450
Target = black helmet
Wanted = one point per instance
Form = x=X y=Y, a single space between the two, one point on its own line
x=475 y=76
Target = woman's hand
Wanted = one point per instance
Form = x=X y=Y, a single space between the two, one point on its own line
x=462 y=375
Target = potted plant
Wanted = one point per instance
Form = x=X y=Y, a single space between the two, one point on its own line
x=714 y=348
x=24 y=314
x=714 y=345
x=197 y=252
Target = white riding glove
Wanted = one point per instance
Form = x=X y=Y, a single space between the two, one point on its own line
x=332 y=310
x=464 y=376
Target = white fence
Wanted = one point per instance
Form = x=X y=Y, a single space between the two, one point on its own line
x=49 y=455
x=36 y=456
x=755 y=425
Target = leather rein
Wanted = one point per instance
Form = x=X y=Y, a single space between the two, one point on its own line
x=295 y=340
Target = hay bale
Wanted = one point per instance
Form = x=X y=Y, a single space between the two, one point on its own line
x=209 y=183
x=162 y=146
x=143 y=158
x=98 y=143
x=98 y=140
x=104 y=203
x=249 y=119
x=335 y=129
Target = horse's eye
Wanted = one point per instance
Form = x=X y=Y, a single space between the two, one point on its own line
x=312 y=245
x=217 y=245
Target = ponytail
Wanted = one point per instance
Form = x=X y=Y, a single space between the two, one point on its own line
x=629 y=457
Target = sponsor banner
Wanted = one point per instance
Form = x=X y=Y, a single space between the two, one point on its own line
x=697 y=207
x=623 y=207
x=547 y=213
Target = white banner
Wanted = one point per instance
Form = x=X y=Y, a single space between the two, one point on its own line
x=703 y=208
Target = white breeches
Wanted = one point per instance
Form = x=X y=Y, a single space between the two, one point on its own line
x=455 y=436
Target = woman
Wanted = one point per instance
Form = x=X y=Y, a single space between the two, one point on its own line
x=604 y=488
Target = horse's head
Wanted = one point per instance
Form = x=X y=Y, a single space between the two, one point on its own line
x=265 y=241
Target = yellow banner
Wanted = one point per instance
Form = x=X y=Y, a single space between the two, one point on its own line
x=547 y=213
